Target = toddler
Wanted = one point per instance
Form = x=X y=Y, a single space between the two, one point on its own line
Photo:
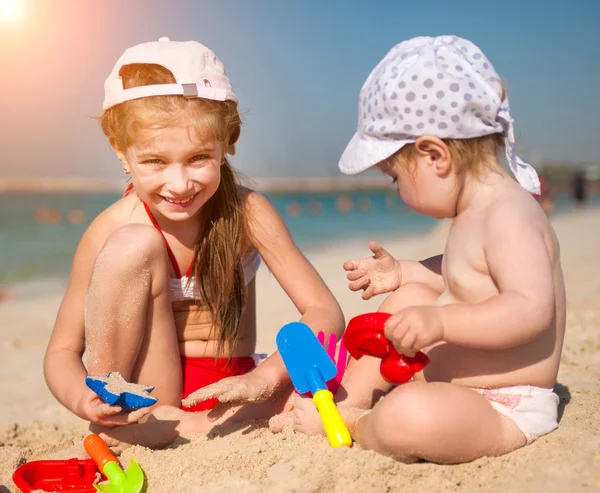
x=489 y=311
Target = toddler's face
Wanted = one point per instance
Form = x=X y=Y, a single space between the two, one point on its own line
x=174 y=169
x=422 y=187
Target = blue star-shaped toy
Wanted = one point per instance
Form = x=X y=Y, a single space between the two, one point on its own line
x=116 y=391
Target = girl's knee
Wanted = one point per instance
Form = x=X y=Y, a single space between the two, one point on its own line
x=133 y=245
x=411 y=294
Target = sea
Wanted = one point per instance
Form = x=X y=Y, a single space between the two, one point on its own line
x=40 y=232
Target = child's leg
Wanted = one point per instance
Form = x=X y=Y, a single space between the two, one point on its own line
x=129 y=323
x=161 y=427
x=363 y=384
x=438 y=422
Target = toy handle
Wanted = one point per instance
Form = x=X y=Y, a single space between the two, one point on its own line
x=397 y=368
x=334 y=425
x=98 y=450
x=365 y=336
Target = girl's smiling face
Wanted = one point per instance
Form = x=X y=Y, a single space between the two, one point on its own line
x=174 y=170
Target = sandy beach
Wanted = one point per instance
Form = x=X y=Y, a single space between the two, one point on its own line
x=249 y=458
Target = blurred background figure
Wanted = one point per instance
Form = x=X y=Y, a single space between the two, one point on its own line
x=75 y=216
x=579 y=187
x=45 y=215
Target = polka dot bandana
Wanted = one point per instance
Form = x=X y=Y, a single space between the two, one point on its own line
x=443 y=86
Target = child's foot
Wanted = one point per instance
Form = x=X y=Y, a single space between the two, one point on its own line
x=281 y=421
x=302 y=416
x=306 y=417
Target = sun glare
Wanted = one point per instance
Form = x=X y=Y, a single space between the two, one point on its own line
x=11 y=10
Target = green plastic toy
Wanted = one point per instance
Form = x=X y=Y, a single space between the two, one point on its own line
x=119 y=481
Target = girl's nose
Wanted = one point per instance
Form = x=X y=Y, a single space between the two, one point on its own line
x=177 y=179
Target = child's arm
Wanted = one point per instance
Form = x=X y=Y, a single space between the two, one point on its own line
x=315 y=302
x=520 y=265
x=296 y=275
x=428 y=272
x=382 y=273
x=63 y=367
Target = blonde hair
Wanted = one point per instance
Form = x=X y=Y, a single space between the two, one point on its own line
x=223 y=239
x=469 y=155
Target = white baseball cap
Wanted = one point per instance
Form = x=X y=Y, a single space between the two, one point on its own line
x=197 y=70
x=443 y=86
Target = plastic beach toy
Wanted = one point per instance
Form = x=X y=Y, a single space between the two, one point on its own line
x=310 y=368
x=340 y=362
x=73 y=475
x=116 y=391
x=119 y=481
x=364 y=336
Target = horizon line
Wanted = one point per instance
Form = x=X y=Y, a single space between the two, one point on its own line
x=280 y=184
x=262 y=184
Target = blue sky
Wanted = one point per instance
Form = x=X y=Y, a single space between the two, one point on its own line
x=297 y=68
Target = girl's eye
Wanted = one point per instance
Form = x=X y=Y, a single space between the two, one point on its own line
x=199 y=157
x=151 y=161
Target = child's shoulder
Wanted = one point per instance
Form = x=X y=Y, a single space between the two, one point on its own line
x=252 y=200
x=516 y=211
x=515 y=204
x=265 y=223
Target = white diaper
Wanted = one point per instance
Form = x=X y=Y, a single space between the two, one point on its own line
x=533 y=409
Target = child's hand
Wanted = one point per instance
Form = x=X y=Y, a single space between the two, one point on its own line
x=94 y=409
x=232 y=392
x=375 y=275
x=414 y=328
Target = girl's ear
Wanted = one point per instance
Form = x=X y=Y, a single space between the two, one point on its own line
x=436 y=153
x=121 y=155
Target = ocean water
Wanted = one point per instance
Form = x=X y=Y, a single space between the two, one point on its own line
x=40 y=232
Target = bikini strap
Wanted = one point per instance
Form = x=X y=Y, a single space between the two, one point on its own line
x=169 y=251
x=128 y=189
x=189 y=271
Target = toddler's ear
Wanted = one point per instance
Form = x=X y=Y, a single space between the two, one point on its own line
x=231 y=149
x=436 y=153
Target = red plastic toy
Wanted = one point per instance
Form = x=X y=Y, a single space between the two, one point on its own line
x=73 y=475
x=364 y=336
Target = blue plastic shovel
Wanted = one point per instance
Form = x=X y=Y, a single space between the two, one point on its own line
x=310 y=368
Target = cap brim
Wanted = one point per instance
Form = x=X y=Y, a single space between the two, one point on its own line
x=364 y=152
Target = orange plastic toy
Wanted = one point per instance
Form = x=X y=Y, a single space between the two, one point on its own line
x=129 y=481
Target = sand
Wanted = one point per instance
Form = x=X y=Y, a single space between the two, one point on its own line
x=247 y=457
